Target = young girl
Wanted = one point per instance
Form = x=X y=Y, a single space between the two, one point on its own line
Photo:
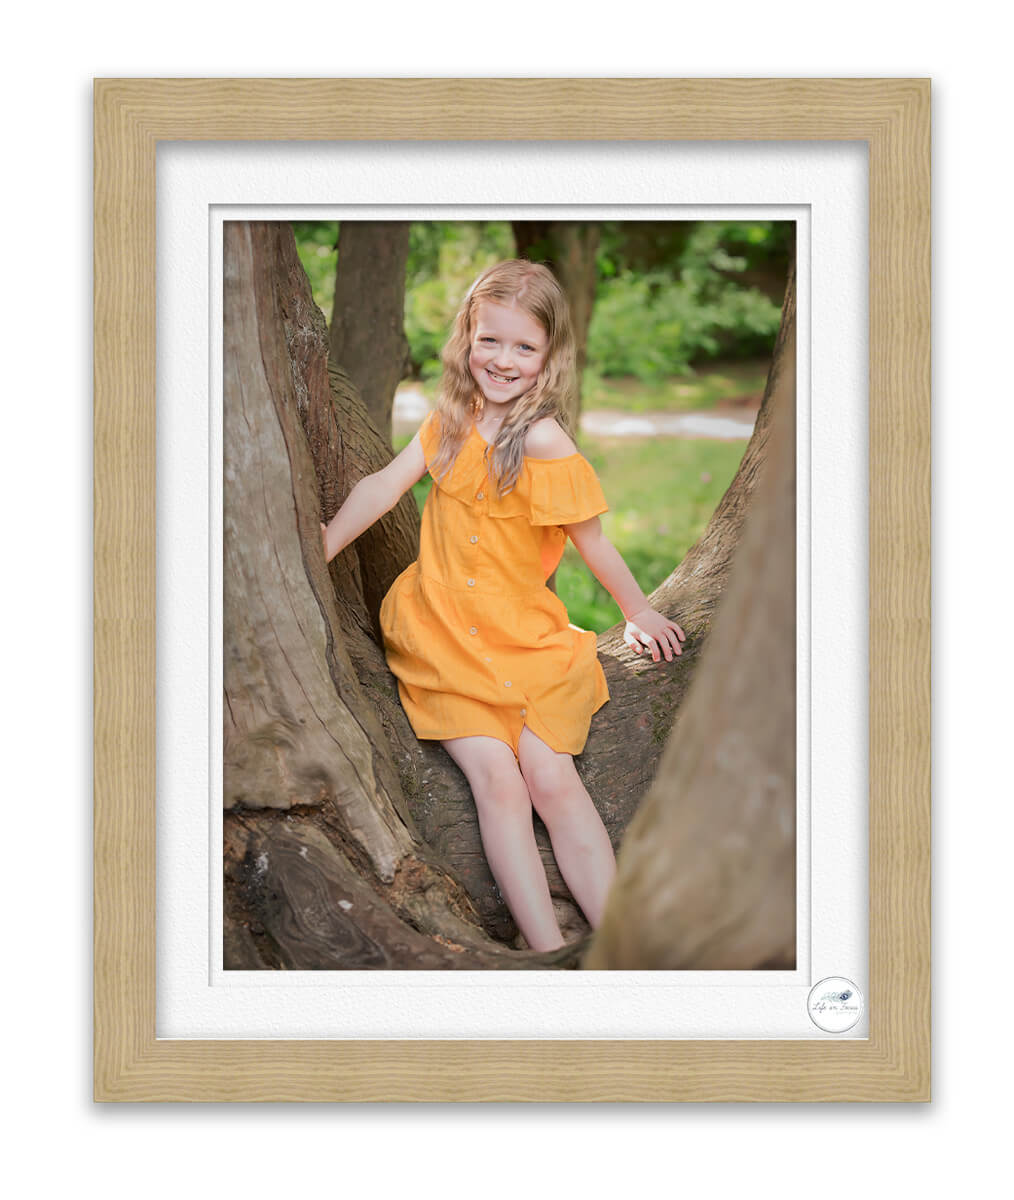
x=485 y=658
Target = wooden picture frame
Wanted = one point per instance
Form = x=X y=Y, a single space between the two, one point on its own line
x=893 y=117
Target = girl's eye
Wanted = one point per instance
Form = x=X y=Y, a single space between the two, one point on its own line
x=526 y=347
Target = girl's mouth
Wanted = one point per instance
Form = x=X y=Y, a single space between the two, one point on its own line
x=500 y=378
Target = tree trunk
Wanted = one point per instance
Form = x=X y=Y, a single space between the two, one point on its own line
x=706 y=878
x=348 y=842
x=368 y=317
x=324 y=866
x=568 y=248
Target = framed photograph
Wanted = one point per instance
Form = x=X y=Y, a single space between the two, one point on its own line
x=187 y=1003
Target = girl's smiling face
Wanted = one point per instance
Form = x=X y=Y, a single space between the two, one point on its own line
x=508 y=350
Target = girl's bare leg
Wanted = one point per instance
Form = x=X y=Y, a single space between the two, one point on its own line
x=581 y=845
x=508 y=837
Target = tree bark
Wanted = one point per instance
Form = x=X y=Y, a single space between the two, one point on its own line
x=348 y=842
x=368 y=316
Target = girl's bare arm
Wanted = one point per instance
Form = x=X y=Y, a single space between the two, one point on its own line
x=645 y=626
x=373 y=496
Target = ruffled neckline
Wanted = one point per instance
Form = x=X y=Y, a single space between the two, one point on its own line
x=562 y=491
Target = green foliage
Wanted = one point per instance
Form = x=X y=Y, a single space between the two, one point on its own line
x=640 y=246
x=645 y=325
x=671 y=294
x=644 y=246
x=651 y=326
x=654 y=325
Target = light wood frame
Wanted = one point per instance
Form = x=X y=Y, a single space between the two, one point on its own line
x=893 y=117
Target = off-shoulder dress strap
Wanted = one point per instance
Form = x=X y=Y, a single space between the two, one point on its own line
x=563 y=491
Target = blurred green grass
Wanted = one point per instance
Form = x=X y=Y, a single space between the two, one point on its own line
x=710 y=386
x=661 y=494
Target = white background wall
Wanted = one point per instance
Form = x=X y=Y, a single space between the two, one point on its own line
x=59 y=1140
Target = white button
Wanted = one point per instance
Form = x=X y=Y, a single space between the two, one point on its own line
x=487 y=660
x=523 y=711
x=506 y=683
x=471 y=583
x=473 y=539
x=479 y=495
x=473 y=631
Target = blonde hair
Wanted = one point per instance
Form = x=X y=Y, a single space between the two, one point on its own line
x=535 y=290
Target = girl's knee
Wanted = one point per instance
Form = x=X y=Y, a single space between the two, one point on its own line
x=492 y=773
x=553 y=784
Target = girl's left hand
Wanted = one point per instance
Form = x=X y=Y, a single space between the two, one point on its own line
x=648 y=629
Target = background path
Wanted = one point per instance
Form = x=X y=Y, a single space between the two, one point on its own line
x=410 y=406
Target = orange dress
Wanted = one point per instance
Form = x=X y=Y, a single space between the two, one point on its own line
x=478 y=643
